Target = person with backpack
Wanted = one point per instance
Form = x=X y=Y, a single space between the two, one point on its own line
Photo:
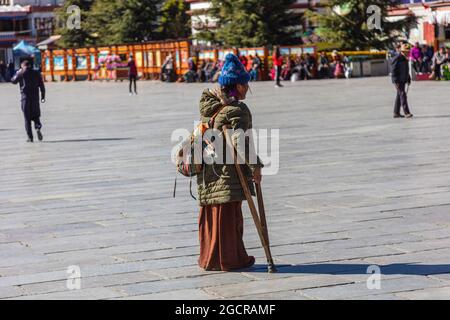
x=31 y=83
x=220 y=193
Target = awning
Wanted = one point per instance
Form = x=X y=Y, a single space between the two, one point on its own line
x=440 y=17
x=12 y=12
x=13 y=16
x=52 y=40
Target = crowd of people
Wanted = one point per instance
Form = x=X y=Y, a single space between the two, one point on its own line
x=306 y=66
x=426 y=60
x=284 y=68
x=209 y=71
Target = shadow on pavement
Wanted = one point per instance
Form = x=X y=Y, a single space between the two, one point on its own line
x=89 y=140
x=432 y=117
x=340 y=269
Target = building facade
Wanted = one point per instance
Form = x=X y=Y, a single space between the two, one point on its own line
x=29 y=20
x=433 y=16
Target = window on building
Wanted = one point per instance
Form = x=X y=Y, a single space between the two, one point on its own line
x=5 y=2
x=447 y=33
x=44 y=26
x=2 y=54
x=6 y=26
x=14 y=25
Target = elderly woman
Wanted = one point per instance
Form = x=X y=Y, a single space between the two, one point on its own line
x=219 y=189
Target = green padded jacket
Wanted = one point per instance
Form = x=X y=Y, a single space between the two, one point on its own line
x=219 y=183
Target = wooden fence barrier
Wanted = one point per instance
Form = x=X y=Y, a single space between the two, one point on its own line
x=88 y=63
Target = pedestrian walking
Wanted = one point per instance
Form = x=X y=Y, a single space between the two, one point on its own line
x=132 y=75
x=277 y=64
x=220 y=192
x=401 y=78
x=31 y=83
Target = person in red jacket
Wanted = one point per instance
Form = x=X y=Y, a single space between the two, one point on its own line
x=132 y=74
x=277 y=64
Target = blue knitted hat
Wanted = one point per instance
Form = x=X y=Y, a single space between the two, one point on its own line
x=233 y=72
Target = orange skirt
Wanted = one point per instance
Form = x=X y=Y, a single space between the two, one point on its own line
x=221 y=228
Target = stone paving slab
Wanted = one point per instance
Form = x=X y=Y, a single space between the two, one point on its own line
x=274 y=285
x=90 y=282
x=427 y=294
x=221 y=279
x=360 y=289
x=87 y=294
x=279 y=295
x=185 y=294
x=355 y=189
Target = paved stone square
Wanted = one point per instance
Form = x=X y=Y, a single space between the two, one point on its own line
x=355 y=188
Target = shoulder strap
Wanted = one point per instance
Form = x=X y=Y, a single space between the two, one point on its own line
x=213 y=118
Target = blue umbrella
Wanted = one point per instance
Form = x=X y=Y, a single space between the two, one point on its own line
x=25 y=49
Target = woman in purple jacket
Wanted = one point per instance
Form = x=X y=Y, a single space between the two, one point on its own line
x=416 y=57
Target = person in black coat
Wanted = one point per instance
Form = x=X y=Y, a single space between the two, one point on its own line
x=11 y=70
x=31 y=83
x=401 y=77
x=3 y=69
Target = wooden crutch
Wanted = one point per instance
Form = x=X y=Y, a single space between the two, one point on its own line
x=262 y=212
x=262 y=231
